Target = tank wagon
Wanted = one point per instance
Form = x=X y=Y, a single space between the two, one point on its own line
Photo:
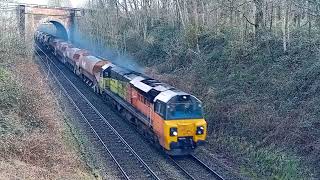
x=167 y=116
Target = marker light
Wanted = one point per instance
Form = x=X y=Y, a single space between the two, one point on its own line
x=200 y=130
x=173 y=131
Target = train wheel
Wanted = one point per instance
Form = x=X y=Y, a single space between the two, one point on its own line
x=97 y=89
x=129 y=117
x=119 y=107
x=114 y=104
x=140 y=128
x=156 y=142
x=78 y=71
x=123 y=113
x=94 y=89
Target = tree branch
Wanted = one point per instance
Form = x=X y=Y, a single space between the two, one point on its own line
x=253 y=24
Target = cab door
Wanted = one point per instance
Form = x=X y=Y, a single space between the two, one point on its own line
x=134 y=97
x=158 y=120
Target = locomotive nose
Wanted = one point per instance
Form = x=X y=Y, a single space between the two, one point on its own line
x=186 y=129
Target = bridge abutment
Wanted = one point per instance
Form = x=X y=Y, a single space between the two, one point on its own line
x=72 y=25
x=22 y=20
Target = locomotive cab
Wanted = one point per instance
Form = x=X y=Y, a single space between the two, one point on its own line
x=184 y=127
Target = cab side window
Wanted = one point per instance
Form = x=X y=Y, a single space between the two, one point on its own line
x=105 y=73
x=157 y=107
x=160 y=108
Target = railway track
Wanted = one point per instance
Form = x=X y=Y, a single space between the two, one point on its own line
x=195 y=168
x=190 y=166
x=127 y=160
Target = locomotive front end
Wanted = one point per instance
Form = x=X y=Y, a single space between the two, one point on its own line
x=184 y=125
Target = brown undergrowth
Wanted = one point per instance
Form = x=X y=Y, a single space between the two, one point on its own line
x=33 y=136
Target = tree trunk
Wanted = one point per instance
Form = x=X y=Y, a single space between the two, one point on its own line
x=271 y=17
x=196 y=23
x=181 y=15
x=203 y=13
x=284 y=26
x=125 y=5
x=309 y=20
x=186 y=15
x=259 y=25
x=288 y=9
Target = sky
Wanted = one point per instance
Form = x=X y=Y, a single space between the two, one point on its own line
x=75 y=3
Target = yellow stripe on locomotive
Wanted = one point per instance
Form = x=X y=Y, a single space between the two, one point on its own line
x=192 y=130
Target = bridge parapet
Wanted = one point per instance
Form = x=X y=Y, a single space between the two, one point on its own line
x=32 y=16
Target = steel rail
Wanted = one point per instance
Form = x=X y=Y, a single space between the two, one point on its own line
x=102 y=118
x=207 y=167
x=188 y=161
x=181 y=168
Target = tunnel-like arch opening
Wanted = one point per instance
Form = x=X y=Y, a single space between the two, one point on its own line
x=54 y=28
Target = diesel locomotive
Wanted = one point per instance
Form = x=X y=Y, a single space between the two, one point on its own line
x=170 y=118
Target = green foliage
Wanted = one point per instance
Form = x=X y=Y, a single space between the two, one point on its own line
x=9 y=102
x=9 y=91
x=269 y=162
x=191 y=36
x=3 y=75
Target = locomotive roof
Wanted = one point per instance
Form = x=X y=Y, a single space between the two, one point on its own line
x=57 y=40
x=104 y=67
x=165 y=96
x=140 y=85
x=92 y=58
x=157 y=85
x=62 y=43
x=152 y=88
x=151 y=82
x=74 y=49
x=120 y=70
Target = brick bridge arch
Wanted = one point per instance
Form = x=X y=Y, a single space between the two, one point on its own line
x=62 y=29
x=31 y=17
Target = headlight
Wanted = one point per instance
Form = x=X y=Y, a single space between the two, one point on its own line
x=200 y=130
x=173 y=131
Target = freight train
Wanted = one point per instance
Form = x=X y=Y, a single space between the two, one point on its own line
x=168 y=117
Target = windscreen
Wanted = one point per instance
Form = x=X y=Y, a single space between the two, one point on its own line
x=184 y=107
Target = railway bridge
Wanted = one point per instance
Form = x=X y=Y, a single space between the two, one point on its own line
x=31 y=17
